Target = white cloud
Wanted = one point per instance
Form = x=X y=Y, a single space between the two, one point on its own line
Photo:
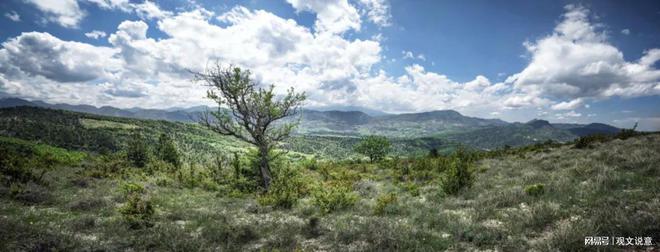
x=277 y=50
x=411 y=55
x=569 y=105
x=95 y=34
x=576 y=61
x=334 y=16
x=150 y=10
x=625 y=31
x=42 y=54
x=569 y=114
x=66 y=13
x=407 y=55
x=377 y=11
x=123 y=5
x=13 y=16
x=567 y=67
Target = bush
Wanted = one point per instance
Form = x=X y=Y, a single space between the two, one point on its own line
x=458 y=174
x=332 y=197
x=384 y=203
x=586 y=141
x=137 y=211
x=167 y=151
x=137 y=152
x=627 y=133
x=535 y=190
x=288 y=185
x=374 y=147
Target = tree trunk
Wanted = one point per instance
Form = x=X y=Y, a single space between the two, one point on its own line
x=264 y=167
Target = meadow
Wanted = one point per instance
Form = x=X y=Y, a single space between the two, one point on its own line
x=59 y=196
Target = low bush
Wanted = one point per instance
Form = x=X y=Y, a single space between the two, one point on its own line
x=458 y=175
x=587 y=141
x=288 y=185
x=535 y=190
x=384 y=203
x=137 y=211
x=332 y=197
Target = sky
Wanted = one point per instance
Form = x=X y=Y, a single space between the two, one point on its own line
x=563 y=61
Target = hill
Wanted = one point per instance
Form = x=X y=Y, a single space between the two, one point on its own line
x=445 y=125
x=96 y=133
x=547 y=199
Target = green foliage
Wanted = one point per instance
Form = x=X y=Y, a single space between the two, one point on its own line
x=23 y=161
x=137 y=152
x=458 y=175
x=252 y=111
x=288 y=186
x=333 y=196
x=374 y=147
x=167 y=151
x=535 y=190
x=384 y=203
x=137 y=211
x=627 y=133
x=586 y=141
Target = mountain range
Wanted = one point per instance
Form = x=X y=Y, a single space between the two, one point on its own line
x=444 y=124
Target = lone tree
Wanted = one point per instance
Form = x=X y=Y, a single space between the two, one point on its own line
x=252 y=111
x=374 y=147
x=137 y=152
x=166 y=150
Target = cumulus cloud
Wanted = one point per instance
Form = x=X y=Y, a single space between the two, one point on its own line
x=13 y=16
x=42 y=54
x=334 y=16
x=66 y=13
x=150 y=10
x=95 y=34
x=377 y=11
x=568 y=105
x=576 y=61
x=277 y=50
x=625 y=31
x=572 y=65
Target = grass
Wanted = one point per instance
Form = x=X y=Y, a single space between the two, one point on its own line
x=610 y=189
x=95 y=124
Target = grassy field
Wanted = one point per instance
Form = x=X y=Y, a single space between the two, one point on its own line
x=547 y=199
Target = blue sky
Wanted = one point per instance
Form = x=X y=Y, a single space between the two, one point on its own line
x=564 y=61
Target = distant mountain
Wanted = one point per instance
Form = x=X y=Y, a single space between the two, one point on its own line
x=441 y=124
x=140 y=113
x=537 y=124
x=368 y=111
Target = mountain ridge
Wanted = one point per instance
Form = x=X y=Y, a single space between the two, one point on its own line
x=449 y=124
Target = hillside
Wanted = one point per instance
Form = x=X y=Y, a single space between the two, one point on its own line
x=83 y=131
x=611 y=188
x=446 y=125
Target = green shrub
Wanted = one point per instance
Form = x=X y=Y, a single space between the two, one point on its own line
x=384 y=203
x=137 y=211
x=412 y=188
x=311 y=164
x=586 y=141
x=167 y=151
x=627 y=133
x=23 y=161
x=137 y=152
x=333 y=197
x=374 y=147
x=288 y=185
x=458 y=175
x=535 y=190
